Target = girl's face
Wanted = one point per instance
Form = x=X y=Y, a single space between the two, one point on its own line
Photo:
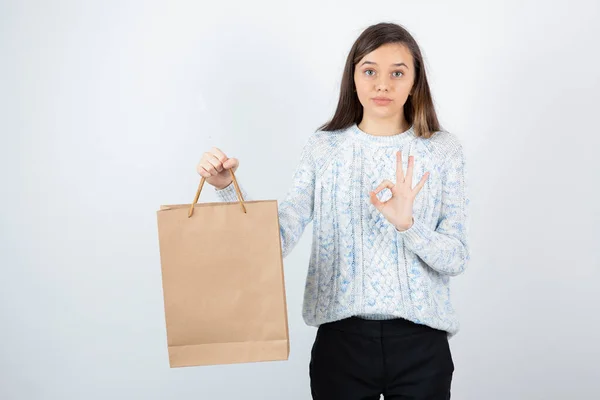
x=387 y=72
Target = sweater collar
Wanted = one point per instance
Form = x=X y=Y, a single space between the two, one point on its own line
x=392 y=140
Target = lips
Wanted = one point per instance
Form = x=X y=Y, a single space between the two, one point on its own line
x=382 y=101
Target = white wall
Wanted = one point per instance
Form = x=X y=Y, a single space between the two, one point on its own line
x=105 y=110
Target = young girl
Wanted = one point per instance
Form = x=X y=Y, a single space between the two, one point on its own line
x=378 y=279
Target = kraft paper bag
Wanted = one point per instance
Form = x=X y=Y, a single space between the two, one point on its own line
x=223 y=282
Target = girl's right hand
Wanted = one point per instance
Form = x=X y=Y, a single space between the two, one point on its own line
x=215 y=165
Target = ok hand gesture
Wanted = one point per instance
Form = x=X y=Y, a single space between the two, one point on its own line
x=398 y=210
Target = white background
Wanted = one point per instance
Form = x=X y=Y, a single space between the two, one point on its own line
x=106 y=108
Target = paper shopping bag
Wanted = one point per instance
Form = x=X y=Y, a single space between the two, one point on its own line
x=223 y=282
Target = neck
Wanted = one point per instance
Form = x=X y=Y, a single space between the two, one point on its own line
x=384 y=127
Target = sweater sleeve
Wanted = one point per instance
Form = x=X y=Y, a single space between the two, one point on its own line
x=296 y=210
x=445 y=249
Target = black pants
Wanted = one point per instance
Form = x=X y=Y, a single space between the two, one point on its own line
x=359 y=359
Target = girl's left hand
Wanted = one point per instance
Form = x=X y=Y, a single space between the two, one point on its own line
x=398 y=210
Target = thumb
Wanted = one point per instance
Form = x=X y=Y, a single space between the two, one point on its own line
x=231 y=163
x=375 y=201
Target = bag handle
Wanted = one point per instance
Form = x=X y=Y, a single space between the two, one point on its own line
x=237 y=190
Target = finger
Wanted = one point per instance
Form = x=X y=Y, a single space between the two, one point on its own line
x=409 y=171
x=215 y=162
x=231 y=163
x=203 y=172
x=421 y=182
x=385 y=184
x=399 y=171
x=376 y=202
x=209 y=167
x=219 y=154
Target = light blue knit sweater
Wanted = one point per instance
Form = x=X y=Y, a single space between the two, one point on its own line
x=360 y=265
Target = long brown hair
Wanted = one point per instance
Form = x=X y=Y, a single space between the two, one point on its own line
x=418 y=109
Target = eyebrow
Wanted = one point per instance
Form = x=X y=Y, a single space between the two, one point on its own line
x=374 y=63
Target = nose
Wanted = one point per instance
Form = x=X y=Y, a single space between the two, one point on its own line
x=382 y=85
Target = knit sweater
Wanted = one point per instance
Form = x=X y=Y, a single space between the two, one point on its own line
x=360 y=264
